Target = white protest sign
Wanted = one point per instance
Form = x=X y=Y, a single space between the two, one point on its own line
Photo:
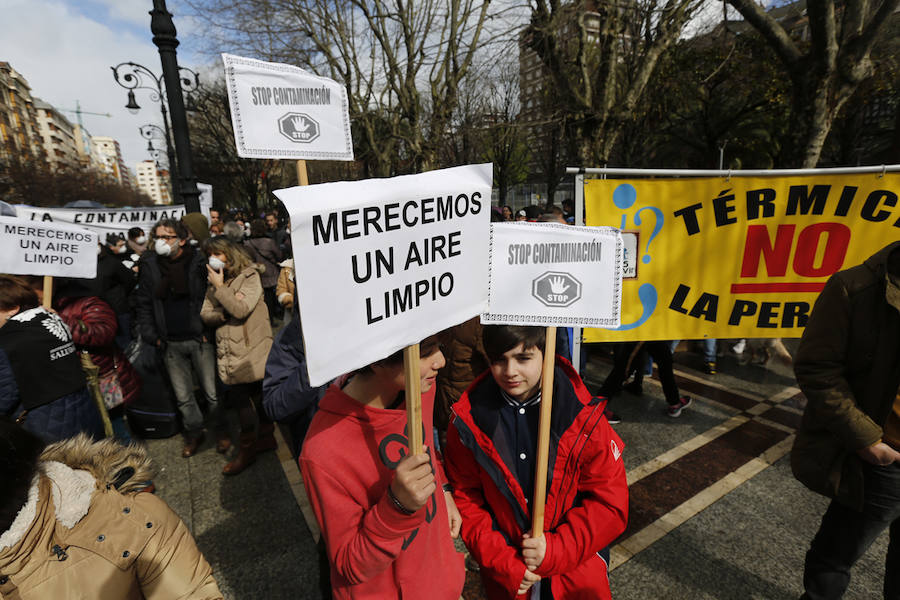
x=58 y=250
x=383 y=263
x=113 y=220
x=282 y=111
x=549 y=274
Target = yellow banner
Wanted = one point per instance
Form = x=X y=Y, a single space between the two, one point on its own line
x=738 y=258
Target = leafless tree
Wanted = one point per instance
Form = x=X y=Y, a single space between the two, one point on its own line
x=401 y=62
x=599 y=55
x=825 y=72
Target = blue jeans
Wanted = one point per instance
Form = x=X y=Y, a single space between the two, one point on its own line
x=709 y=348
x=846 y=534
x=183 y=359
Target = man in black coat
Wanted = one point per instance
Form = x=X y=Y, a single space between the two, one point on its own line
x=173 y=281
x=848 y=366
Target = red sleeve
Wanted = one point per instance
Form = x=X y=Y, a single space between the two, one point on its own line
x=481 y=535
x=603 y=513
x=93 y=323
x=361 y=542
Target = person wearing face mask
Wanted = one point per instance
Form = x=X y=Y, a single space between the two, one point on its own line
x=137 y=241
x=167 y=306
x=235 y=307
x=115 y=281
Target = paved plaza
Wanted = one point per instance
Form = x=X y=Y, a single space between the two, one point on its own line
x=715 y=512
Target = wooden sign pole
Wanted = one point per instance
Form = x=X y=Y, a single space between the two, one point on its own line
x=302 y=176
x=413 y=378
x=48 y=291
x=543 y=450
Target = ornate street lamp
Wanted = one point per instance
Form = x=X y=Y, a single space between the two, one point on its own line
x=151 y=132
x=171 y=84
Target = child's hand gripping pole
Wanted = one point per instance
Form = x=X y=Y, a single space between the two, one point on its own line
x=412 y=374
x=543 y=452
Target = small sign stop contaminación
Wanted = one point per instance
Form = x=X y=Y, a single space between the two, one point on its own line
x=283 y=111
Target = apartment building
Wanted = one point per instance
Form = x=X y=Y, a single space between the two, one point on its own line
x=154 y=182
x=19 y=133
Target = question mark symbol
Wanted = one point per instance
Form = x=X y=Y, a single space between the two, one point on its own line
x=656 y=228
x=624 y=197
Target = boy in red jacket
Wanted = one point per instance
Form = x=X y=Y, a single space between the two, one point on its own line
x=384 y=515
x=490 y=459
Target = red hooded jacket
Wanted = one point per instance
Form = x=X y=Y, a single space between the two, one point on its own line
x=375 y=551
x=587 y=493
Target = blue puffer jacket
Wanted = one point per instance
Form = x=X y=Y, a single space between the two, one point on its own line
x=61 y=419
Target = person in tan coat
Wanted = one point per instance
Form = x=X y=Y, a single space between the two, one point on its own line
x=75 y=523
x=235 y=307
x=284 y=289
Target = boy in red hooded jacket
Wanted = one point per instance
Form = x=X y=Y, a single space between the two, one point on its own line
x=490 y=459
x=386 y=517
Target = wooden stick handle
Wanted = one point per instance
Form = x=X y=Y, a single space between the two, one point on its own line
x=543 y=450
x=302 y=176
x=413 y=378
x=48 y=291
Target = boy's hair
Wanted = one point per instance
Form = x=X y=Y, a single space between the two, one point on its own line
x=500 y=339
x=426 y=348
x=15 y=291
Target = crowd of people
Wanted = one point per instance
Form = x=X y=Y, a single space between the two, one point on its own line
x=196 y=319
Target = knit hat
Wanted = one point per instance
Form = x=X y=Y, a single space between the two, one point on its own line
x=198 y=225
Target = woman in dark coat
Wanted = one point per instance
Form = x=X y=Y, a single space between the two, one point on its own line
x=264 y=251
x=42 y=385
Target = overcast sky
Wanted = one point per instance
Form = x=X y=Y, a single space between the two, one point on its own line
x=65 y=48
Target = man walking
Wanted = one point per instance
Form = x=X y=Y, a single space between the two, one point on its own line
x=168 y=300
x=848 y=366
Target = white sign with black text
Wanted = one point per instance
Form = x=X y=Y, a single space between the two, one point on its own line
x=551 y=274
x=33 y=248
x=381 y=264
x=118 y=221
x=282 y=111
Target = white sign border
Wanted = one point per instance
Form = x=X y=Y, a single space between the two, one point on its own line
x=243 y=151
x=488 y=318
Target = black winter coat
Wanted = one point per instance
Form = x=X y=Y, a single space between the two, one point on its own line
x=150 y=316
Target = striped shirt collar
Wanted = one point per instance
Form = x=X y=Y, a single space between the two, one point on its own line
x=536 y=399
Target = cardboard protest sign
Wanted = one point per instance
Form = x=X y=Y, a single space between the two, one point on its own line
x=282 y=111
x=118 y=221
x=742 y=257
x=34 y=248
x=554 y=274
x=381 y=264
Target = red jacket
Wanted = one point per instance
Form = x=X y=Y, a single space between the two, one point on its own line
x=375 y=551
x=93 y=325
x=587 y=495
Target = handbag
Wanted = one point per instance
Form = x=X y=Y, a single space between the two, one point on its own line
x=111 y=387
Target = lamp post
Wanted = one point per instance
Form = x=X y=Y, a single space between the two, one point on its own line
x=164 y=36
x=170 y=85
x=150 y=132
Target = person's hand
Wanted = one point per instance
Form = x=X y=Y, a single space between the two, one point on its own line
x=413 y=481
x=216 y=278
x=533 y=550
x=879 y=454
x=528 y=580
x=453 y=515
x=158 y=343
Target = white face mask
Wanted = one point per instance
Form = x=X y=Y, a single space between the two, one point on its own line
x=216 y=263
x=162 y=248
x=193 y=242
x=122 y=249
x=141 y=240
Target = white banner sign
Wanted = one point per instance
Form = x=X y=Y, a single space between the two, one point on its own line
x=282 y=111
x=551 y=274
x=113 y=220
x=30 y=248
x=383 y=263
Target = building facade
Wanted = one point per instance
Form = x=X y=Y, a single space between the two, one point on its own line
x=19 y=133
x=59 y=137
x=154 y=182
x=110 y=159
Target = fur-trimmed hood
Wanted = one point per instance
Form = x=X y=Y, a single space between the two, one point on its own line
x=126 y=468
